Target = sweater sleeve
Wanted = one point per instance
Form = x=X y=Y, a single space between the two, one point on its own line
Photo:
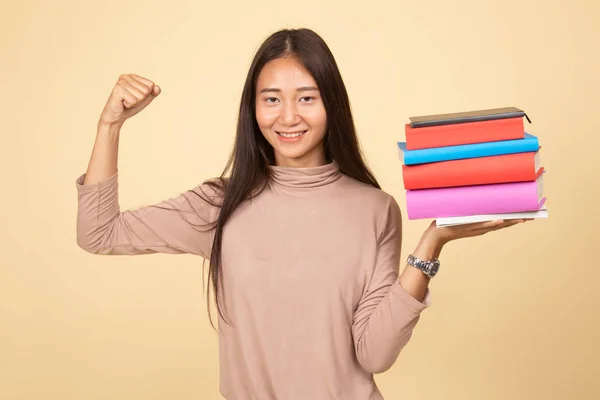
x=386 y=314
x=177 y=225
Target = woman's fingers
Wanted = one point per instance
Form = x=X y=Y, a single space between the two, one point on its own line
x=131 y=94
x=502 y=225
x=475 y=226
x=450 y=233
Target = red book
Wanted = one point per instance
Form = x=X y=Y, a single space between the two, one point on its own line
x=506 y=168
x=464 y=133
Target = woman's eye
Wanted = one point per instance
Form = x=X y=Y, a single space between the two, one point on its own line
x=274 y=99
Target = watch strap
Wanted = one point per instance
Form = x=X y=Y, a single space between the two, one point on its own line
x=429 y=268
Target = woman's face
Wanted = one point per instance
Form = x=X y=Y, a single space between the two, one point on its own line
x=290 y=113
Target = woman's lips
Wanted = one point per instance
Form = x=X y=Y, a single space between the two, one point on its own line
x=288 y=137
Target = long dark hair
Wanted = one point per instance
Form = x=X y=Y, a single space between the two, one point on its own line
x=252 y=154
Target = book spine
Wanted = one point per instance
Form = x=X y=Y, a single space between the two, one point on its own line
x=422 y=156
x=505 y=168
x=465 y=133
x=460 y=120
x=445 y=221
x=472 y=200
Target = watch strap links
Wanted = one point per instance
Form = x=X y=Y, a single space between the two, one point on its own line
x=429 y=268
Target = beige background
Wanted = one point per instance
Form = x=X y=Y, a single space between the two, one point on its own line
x=514 y=313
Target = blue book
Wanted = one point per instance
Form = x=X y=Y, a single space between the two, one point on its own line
x=485 y=149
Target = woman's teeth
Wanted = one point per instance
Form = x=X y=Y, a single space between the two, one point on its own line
x=291 y=135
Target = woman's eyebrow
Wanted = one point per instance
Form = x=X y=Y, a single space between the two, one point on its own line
x=300 y=89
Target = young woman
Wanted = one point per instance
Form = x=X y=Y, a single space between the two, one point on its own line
x=303 y=245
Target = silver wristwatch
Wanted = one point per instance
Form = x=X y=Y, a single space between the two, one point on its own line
x=429 y=268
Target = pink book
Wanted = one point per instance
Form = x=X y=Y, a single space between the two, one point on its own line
x=473 y=200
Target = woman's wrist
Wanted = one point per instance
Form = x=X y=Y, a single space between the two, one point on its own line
x=412 y=279
x=429 y=246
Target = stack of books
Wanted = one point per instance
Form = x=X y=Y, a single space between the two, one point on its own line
x=471 y=167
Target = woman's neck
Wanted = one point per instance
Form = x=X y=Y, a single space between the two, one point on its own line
x=314 y=159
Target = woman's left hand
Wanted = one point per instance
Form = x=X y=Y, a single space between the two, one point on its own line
x=443 y=235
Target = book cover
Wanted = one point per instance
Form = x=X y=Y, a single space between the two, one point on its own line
x=422 y=156
x=465 y=133
x=473 y=200
x=467 y=116
x=518 y=167
x=451 y=221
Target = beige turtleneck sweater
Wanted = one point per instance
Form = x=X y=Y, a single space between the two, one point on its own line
x=310 y=272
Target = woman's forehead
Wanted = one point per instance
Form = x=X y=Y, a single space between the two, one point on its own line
x=285 y=74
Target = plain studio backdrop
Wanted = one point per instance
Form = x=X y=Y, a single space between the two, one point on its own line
x=514 y=313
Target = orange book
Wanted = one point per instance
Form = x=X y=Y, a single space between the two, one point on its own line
x=506 y=168
x=464 y=133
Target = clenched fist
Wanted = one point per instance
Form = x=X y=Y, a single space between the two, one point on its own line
x=131 y=94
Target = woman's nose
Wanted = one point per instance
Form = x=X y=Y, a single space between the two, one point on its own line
x=289 y=114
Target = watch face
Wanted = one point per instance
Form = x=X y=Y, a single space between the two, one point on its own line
x=434 y=267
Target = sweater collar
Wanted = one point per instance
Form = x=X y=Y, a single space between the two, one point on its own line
x=305 y=177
